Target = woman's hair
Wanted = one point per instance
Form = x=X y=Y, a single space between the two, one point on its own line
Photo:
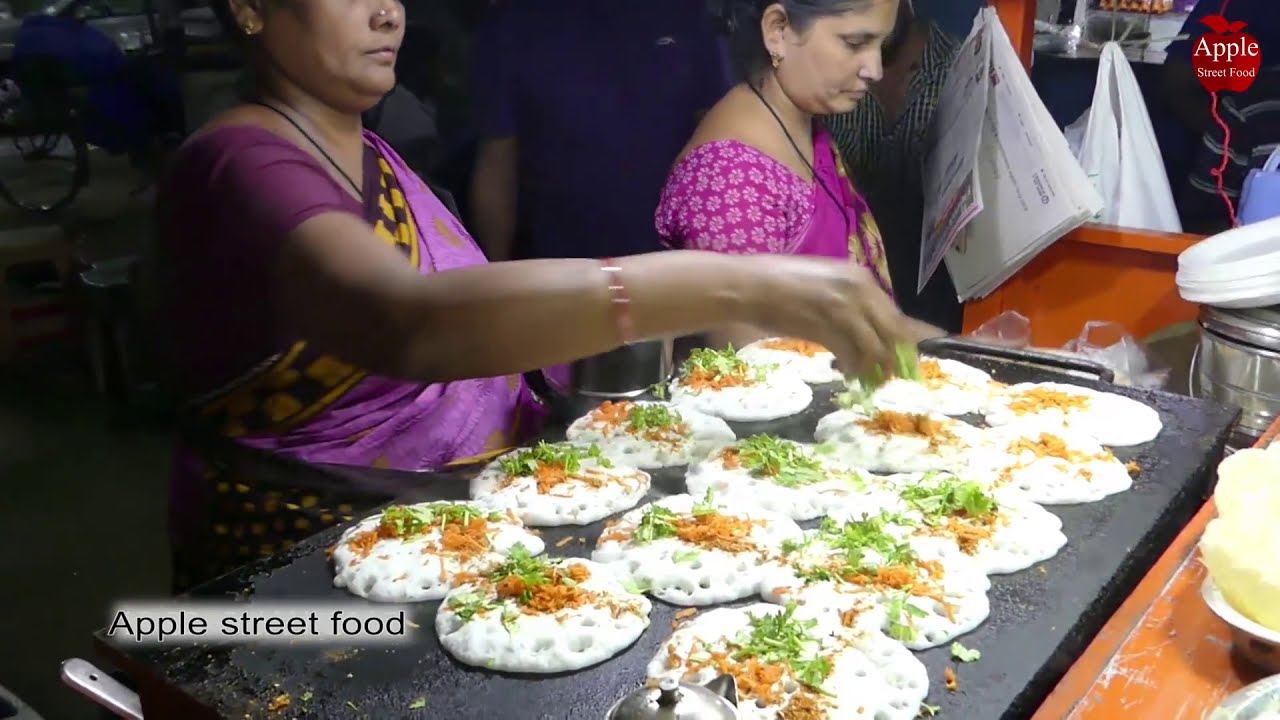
x=740 y=21
x=222 y=9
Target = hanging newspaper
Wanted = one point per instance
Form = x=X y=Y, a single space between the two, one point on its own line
x=1000 y=182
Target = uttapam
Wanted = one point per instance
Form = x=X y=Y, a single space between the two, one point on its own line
x=1109 y=418
x=408 y=553
x=1001 y=531
x=541 y=615
x=945 y=387
x=809 y=360
x=650 y=435
x=1062 y=467
x=931 y=592
x=787 y=666
x=896 y=442
x=782 y=476
x=556 y=484
x=695 y=552
x=722 y=384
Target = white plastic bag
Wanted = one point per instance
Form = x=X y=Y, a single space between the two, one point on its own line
x=1120 y=154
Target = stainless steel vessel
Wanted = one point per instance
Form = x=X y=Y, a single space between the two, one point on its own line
x=674 y=700
x=1238 y=362
x=626 y=372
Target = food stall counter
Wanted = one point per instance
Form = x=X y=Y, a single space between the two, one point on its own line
x=1163 y=654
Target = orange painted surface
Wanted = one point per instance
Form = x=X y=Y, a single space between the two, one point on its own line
x=1018 y=18
x=1094 y=273
x=1163 y=654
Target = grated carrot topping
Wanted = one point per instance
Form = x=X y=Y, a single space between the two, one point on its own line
x=803 y=705
x=715 y=531
x=611 y=413
x=551 y=596
x=699 y=379
x=889 y=422
x=1039 y=399
x=949 y=677
x=799 y=347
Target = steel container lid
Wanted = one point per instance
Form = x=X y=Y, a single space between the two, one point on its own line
x=1258 y=327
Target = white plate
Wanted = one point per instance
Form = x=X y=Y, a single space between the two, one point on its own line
x=1217 y=602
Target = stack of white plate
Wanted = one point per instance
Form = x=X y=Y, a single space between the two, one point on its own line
x=1239 y=268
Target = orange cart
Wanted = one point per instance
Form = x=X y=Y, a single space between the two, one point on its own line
x=1094 y=273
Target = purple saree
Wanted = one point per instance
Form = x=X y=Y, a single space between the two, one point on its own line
x=277 y=393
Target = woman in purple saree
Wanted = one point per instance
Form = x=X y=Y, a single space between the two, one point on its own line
x=321 y=304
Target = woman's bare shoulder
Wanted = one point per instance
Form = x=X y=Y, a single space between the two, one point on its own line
x=737 y=120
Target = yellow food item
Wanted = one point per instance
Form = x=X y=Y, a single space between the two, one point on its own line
x=1241 y=547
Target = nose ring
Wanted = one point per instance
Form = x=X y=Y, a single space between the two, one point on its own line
x=382 y=13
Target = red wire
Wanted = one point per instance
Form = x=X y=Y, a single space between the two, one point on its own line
x=1226 y=143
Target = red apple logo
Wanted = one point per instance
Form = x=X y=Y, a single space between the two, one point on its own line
x=1226 y=59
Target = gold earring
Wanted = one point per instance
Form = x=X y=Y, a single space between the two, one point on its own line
x=775 y=59
x=250 y=27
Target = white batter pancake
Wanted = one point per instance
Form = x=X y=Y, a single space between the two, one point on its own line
x=812 y=362
x=895 y=442
x=560 y=484
x=1110 y=419
x=1002 y=531
x=536 y=615
x=931 y=593
x=782 y=476
x=695 y=552
x=946 y=387
x=409 y=553
x=840 y=672
x=1058 y=467
x=650 y=435
x=722 y=384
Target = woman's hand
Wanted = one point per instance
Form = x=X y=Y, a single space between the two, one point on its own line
x=837 y=304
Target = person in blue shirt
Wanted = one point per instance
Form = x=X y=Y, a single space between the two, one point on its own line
x=581 y=108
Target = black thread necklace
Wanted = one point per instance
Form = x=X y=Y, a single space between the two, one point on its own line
x=315 y=144
x=796 y=146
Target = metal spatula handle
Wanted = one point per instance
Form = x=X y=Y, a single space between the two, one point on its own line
x=101 y=688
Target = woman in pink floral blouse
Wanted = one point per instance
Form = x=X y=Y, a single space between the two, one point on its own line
x=760 y=175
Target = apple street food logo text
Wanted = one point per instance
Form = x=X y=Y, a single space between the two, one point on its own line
x=1226 y=58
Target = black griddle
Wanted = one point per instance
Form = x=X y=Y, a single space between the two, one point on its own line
x=1041 y=618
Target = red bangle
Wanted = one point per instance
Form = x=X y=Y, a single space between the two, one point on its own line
x=619 y=301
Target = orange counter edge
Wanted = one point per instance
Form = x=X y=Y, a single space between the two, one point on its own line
x=1088 y=673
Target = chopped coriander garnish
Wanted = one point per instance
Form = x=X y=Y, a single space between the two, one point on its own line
x=306 y=696
x=657 y=522
x=659 y=390
x=900 y=616
x=782 y=461
x=402 y=520
x=716 y=363
x=707 y=506
x=929 y=710
x=859 y=537
x=652 y=417
x=467 y=605
x=526 y=462
x=531 y=571
x=964 y=654
x=683 y=556
x=781 y=638
x=418 y=704
x=944 y=496
x=906 y=360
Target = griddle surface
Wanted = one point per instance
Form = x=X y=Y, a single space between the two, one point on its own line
x=1041 y=618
